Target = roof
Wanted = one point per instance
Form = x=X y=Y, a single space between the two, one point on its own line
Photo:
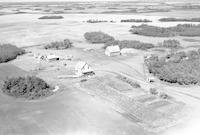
x=113 y=48
x=128 y=50
x=80 y=65
x=52 y=56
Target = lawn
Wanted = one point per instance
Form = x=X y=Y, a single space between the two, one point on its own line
x=9 y=70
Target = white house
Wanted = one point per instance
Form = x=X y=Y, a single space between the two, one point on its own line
x=112 y=50
x=83 y=68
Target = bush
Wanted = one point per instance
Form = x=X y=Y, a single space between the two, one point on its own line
x=153 y=91
x=179 y=30
x=192 y=54
x=98 y=37
x=9 y=52
x=51 y=17
x=26 y=87
x=83 y=80
x=198 y=51
x=130 y=44
x=164 y=95
x=136 y=20
x=59 y=45
x=172 y=44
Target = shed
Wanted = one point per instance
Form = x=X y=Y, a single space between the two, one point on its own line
x=83 y=68
x=53 y=57
x=112 y=50
x=151 y=79
x=128 y=51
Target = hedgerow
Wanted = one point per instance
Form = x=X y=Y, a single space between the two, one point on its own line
x=130 y=44
x=136 y=20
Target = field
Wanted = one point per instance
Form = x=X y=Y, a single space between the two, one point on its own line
x=9 y=70
x=116 y=100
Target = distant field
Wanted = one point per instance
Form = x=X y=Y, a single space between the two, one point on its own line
x=97 y=7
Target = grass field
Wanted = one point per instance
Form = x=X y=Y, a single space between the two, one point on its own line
x=9 y=70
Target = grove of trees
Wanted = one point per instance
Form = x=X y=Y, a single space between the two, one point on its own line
x=59 y=45
x=130 y=44
x=98 y=37
x=189 y=30
x=9 y=52
x=29 y=87
x=182 y=67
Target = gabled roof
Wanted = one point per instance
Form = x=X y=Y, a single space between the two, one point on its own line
x=113 y=48
x=129 y=50
x=52 y=56
x=80 y=65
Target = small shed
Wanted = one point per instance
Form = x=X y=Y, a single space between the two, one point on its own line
x=53 y=57
x=83 y=68
x=112 y=50
x=151 y=79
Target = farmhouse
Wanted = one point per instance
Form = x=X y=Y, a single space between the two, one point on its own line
x=83 y=68
x=112 y=50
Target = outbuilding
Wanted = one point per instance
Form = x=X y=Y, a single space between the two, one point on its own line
x=112 y=50
x=128 y=51
x=53 y=57
x=151 y=79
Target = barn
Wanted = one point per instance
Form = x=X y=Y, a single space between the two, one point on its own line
x=112 y=51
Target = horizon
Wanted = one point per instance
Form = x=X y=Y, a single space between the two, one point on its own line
x=65 y=0
x=29 y=1
x=7 y=1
